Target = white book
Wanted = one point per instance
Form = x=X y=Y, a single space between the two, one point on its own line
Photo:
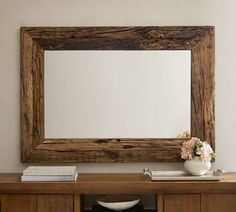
x=30 y=178
x=50 y=171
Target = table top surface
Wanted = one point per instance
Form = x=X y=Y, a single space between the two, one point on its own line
x=116 y=183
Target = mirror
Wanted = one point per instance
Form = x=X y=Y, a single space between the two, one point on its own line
x=117 y=94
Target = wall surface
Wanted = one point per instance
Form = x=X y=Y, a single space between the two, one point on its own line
x=15 y=13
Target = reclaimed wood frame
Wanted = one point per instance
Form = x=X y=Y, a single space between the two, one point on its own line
x=35 y=40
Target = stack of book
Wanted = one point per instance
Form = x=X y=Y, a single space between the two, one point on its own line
x=50 y=173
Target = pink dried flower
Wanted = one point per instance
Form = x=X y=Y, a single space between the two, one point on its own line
x=187 y=150
x=205 y=152
x=196 y=147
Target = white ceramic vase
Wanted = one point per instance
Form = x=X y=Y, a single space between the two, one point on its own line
x=196 y=166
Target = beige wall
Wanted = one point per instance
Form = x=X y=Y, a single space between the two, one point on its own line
x=15 y=13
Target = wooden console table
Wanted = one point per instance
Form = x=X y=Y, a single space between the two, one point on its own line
x=172 y=196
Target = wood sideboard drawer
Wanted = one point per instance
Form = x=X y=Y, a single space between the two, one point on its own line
x=218 y=202
x=182 y=203
x=36 y=203
x=55 y=203
x=19 y=203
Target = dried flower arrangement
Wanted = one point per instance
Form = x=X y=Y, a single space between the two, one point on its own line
x=194 y=147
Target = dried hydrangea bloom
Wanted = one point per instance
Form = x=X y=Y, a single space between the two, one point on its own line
x=196 y=147
x=187 y=150
x=205 y=152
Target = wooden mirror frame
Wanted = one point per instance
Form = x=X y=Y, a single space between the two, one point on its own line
x=35 y=40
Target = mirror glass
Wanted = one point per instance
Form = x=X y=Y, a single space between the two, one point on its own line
x=117 y=94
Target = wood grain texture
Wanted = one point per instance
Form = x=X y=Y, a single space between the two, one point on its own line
x=160 y=203
x=32 y=95
x=182 y=203
x=34 y=40
x=19 y=203
x=203 y=90
x=116 y=184
x=55 y=203
x=218 y=202
x=77 y=203
x=113 y=150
